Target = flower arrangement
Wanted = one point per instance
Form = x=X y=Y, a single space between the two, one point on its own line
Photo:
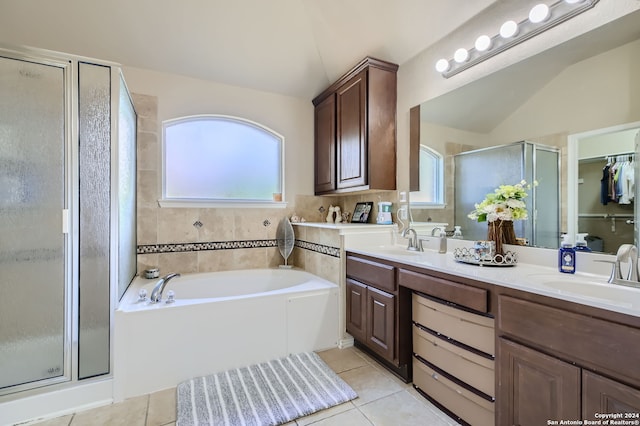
x=505 y=203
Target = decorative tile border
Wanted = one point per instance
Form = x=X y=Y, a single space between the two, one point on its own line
x=217 y=245
x=319 y=248
x=231 y=245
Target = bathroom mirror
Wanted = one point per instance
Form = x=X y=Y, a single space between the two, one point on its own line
x=588 y=83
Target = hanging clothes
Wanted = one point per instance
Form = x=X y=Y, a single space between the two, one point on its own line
x=626 y=183
x=618 y=180
x=605 y=184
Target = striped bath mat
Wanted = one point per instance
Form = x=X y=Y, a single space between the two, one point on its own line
x=270 y=393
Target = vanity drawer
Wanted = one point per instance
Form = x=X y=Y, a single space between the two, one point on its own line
x=467 y=366
x=465 y=327
x=460 y=294
x=373 y=273
x=470 y=407
x=592 y=342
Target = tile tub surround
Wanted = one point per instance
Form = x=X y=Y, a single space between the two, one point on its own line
x=215 y=239
x=382 y=400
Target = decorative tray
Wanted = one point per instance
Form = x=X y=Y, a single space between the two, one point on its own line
x=466 y=255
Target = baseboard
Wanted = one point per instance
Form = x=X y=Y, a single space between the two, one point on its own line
x=57 y=403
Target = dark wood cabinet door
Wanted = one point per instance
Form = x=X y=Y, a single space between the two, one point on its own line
x=381 y=322
x=325 y=145
x=603 y=395
x=534 y=388
x=351 y=138
x=356 y=310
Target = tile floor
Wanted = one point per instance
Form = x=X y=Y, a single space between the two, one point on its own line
x=383 y=400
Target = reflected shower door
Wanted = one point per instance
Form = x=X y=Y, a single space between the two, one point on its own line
x=32 y=243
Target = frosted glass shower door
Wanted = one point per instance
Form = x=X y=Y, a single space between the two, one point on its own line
x=32 y=244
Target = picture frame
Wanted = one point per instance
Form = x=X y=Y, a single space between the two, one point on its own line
x=362 y=212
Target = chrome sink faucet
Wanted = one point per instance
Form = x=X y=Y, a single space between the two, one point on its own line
x=156 y=293
x=627 y=253
x=414 y=243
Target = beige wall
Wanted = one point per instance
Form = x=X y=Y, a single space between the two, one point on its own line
x=595 y=93
x=180 y=96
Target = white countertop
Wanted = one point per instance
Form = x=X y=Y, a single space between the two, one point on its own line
x=584 y=288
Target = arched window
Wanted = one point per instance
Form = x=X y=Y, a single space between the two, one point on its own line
x=221 y=161
x=431 y=192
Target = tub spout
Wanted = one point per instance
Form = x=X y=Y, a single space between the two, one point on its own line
x=156 y=294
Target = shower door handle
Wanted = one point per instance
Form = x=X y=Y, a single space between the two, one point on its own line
x=65 y=221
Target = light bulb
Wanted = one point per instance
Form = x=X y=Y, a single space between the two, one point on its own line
x=461 y=55
x=483 y=43
x=442 y=65
x=539 y=13
x=508 y=29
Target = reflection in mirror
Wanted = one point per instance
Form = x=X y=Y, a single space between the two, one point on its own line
x=604 y=184
x=431 y=193
x=589 y=82
x=480 y=172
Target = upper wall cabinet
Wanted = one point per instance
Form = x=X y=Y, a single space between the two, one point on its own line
x=355 y=130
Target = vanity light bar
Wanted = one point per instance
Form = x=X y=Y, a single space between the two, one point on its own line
x=540 y=19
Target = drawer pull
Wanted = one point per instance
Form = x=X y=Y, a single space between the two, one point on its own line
x=435 y=376
x=459 y=391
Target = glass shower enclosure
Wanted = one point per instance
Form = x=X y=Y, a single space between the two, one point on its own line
x=67 y=146
x=481 y=171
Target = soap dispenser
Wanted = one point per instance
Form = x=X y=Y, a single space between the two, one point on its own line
x=443 y=242
x=581 y=242
x=566 y=256
x=457 y=232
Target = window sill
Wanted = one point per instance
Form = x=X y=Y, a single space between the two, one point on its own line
x=222 y=204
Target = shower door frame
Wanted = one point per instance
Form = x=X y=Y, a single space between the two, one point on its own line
x=70 y=202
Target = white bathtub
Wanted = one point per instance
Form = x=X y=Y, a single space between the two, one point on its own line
x=220 y=320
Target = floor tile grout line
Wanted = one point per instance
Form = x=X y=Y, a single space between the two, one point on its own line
x=365 y=416
x=146 y=414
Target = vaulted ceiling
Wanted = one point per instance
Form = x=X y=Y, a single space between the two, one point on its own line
x=292 y=47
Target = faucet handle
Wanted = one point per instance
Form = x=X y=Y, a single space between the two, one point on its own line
x=142 y=295
x=632 y=275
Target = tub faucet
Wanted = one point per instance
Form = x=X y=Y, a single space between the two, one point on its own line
x=156 y=294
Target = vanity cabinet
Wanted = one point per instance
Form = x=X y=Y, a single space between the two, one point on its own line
x=602 y=395
x=370 y=317
x=563 y=362
x=489 y=354
x=355 y=130
x=535 y=387
x=373 y=304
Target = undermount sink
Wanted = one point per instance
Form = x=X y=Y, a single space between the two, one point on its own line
x=590 y=288
x=396 y=251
